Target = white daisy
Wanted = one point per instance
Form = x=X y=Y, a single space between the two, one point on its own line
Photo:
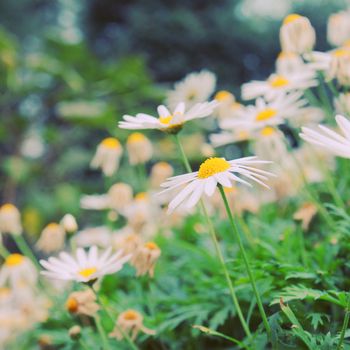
x=85 y=267
x=194 y=88
x=328 y=139
x=169 y=122
x=212 y=172
x=276 y=84
x=338 y=28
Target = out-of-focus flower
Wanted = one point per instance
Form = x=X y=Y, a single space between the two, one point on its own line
x=18 y=271
x=228 y=106
x=307 y=116
x=52 y=238
x=342 y=103
x=338 y=28
x=32 y=145
x=126 y=240
x=82 y=303
x=278 y=84
x=119 y=195
x=340 y=66
x=145 y=258
x=305 y=213
x=159 y=173
x=107 y=156
x=75 y=332
x=194 y=88
x=168 y=122
x=328 y=139
x=212 y=172
x=69 y=223
x=131 y=323
x=10 y=219
x=100 y=236
x=139 y=147
x=85 y=267
x=297 y=34
x=289 y=63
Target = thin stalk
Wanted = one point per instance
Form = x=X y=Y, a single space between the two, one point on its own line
x=324 y=98
x=246 y=262
x=217 y=246
x=302 y=246
x=25 y=249
x=345 y=324
x=102 y=333
x=83 y=345
x=4 y=253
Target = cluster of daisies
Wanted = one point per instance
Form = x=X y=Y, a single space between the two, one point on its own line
x=280 y=113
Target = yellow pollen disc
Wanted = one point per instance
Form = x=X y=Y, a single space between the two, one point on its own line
x=136 y=137
x=291 y=18
x=163 y=165
x=341 y=52
x=130 y=315
x=53 y=226
x=8 y=207
x=151 y=245
x=266 y=114
x=87 y=272
x=14 y=259
x=110 y=142
x=72 y=305
x=268 y=131
x=232 y=189
x=223 y=95
x=213 y=166
x=279 y=81
x=166 y=120
x=141 y=196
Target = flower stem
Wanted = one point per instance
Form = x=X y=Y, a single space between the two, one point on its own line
x=217 y=246
x=246 y=262
x=102 y=333
x=345 y=324
x=4 y=253
x=25 y=249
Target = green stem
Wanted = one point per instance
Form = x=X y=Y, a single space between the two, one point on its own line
x=4 y=253
x=345 y=324
x=246 y=262
x=183 y=154
x=302 y=246
x=25 y=249
x=83 y=345
x=102 y=333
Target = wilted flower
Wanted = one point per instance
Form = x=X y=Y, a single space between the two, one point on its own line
x=126 y=240
x=69 y=223
x=119 y=196
x=145 y=258
x=52 y=238
x=289 y=63
x=340 y=66
x=159 y=173
x=139 y=147
x=131 y=323
x=297 y=34
x=10 y=219
x=305 y=213
x=85 y=267
x=338 y=28
x=107 y=156
x=82 y=303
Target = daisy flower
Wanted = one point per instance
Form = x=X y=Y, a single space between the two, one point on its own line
x=212 y=172
x=338 y=28
x=167 y=121
x=328 y=139
x=276 y=84
x=85 y=267
x=194 y=88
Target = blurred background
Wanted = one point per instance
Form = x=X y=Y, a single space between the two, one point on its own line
x=70 y=70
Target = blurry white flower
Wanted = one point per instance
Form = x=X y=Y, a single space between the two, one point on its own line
x=107 y=156
x=32 y=145
x=342 y=103
x=297 y=34
x=228 y=105
x=126 y=240
x=82 y=303
x=212 y=172
x=52 y=238
x=289 y=63
x=307 y=116
x=145 y=258
x=236 y=134
x=95 y=202
x=18 y=271
x=131 y=323
x=119 y=196
x=99 y=236
x=159 y=173
x=10 y=219
x=338 y=28
x=278 y=84
x=328 y=139
x=194 y=88
x=69 y=223
x=139 y=147
x=85 y=267
x=169 y=122
x=340 y=66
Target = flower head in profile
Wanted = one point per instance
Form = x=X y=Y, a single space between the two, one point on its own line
x=171 y=122
x=85 y=266
x=330 y=140
x=10 y=219
x=212 y=172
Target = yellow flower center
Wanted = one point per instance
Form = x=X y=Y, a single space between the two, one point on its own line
x=341 y=52
x=279 y=81
x=136 y=137
x=151 y=246
x=268 y=131
x=8 y=207
x=130 y=315
x=72 y=305
x=291 y=18
x=266 y=114
x=86 y=273
x=110 y=142
x=166 y=120
x=212 y=166
x=223 y=95
x=53 y=226
x=14 y=259
x=141 y=196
